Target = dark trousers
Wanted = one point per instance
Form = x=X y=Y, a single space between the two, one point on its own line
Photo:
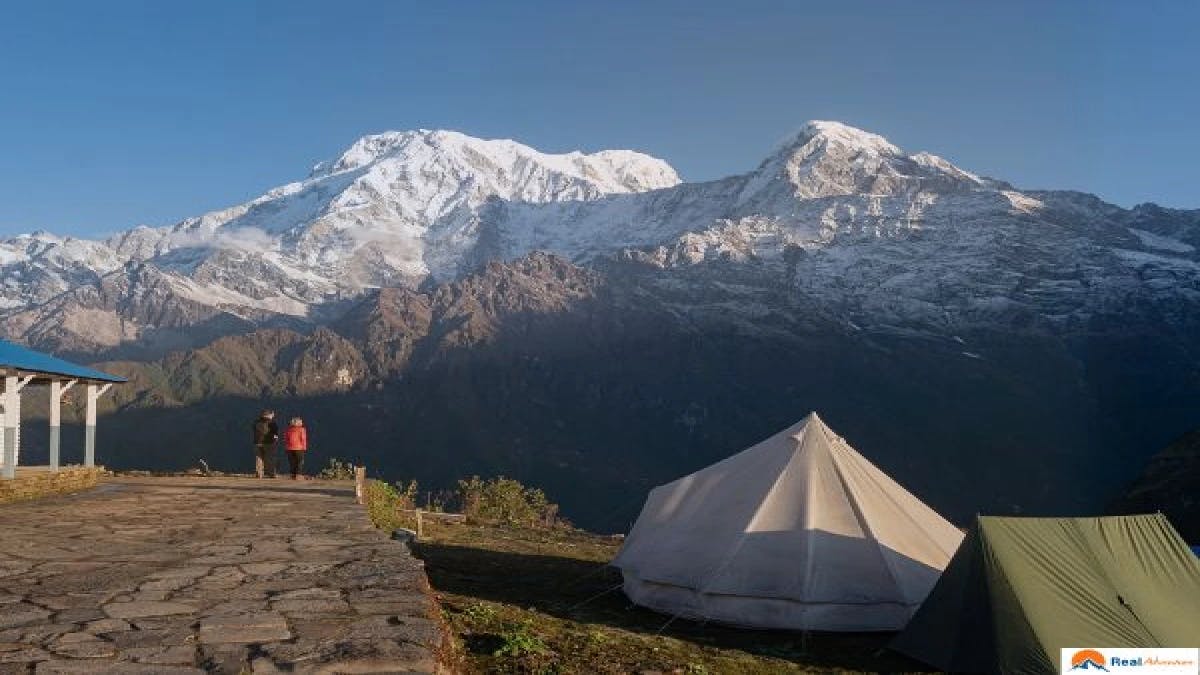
x=296 y=461
x=264 y=461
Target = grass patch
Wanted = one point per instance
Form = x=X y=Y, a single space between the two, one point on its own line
x=524 y=600
x=521 y=640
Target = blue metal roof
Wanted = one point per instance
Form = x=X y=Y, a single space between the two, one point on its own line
x=23 y=358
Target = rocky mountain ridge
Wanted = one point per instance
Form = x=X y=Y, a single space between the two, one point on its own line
x=564 y=376
x=906 y=242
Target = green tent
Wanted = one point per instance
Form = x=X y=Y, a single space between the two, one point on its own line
x=1019 y=589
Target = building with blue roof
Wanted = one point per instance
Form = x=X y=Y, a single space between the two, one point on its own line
x=23 y=367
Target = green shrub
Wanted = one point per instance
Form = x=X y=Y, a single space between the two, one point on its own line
x=381 y=501
x=386 y=501
x=337 y=470
x=520 y=640
x=505 y=501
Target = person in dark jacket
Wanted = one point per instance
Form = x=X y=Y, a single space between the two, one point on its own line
x=266 y=434
x=295 y=442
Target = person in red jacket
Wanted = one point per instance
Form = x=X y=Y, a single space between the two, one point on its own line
x=295 y=441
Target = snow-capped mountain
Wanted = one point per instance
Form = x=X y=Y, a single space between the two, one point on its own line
x=393 y=210
x=791 y=193
x=588 y=317
x=888 y=238
x=840 y=216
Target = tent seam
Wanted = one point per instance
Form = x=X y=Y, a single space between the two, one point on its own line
x=720 y=567
x=898 y=507
x=862 y=518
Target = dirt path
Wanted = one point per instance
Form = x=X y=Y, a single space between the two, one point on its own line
x=192 y=575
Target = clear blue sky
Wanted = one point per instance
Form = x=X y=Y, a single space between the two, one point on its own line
x=117 y=113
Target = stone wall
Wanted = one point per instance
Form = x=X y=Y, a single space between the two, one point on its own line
x=33 y=483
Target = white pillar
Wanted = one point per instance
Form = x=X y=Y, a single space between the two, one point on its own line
x=94 y=391
x=12 y=421
x=5 y=461
x=57 y=389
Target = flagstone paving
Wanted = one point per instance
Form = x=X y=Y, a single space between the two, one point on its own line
x=218 y=575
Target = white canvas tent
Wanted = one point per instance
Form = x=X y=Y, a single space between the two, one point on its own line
x=798 y=532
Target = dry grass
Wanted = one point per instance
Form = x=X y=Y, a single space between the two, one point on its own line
x=543 y=601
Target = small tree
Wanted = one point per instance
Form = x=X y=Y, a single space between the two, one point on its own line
x=505 y=501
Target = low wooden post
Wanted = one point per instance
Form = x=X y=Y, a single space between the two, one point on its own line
x=420 y=528
x=360 y=484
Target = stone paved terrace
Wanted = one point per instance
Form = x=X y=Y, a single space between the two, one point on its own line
x=224 y=575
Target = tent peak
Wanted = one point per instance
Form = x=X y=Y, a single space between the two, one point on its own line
x=815 y=419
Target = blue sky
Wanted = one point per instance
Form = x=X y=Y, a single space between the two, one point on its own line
x=118 y=113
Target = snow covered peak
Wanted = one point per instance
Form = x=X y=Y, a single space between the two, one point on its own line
x=366 y=150
x=829 y=159
x=819 y=133
x=396 y=206
x=609 y=171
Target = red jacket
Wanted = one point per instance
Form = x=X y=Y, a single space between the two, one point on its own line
x=295 y=438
